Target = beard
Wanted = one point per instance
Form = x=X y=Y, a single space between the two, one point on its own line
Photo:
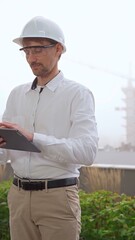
x=39 y=69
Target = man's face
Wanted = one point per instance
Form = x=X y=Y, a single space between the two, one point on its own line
x=41 y=55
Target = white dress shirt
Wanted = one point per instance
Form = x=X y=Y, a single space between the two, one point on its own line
x=63 y=122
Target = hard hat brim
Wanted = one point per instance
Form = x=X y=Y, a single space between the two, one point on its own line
x=19 y=41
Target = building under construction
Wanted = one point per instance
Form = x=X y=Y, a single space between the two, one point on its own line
x=129 y=109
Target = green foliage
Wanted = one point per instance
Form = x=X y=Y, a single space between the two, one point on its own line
x=107 y=216
x=4 y=212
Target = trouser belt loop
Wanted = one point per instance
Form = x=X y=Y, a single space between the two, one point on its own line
x=18 y=184
x=46 y=186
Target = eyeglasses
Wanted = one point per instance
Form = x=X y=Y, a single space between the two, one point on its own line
x=35 y=50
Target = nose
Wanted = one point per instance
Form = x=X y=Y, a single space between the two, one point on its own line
x=31 y=57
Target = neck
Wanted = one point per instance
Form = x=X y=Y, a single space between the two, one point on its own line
x=43 y=80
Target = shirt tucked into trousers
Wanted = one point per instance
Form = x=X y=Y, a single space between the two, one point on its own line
x=62 y=121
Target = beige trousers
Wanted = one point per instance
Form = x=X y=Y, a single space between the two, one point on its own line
x=44 y=215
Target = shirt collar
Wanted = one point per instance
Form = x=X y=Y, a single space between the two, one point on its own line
x=51 y=85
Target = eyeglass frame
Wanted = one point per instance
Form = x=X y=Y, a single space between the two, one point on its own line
x=37 y=46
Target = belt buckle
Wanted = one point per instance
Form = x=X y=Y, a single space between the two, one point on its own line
x=25 y=181
x=30 y=181
x=22 y=183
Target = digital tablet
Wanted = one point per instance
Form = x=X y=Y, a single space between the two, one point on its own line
x=15 y=140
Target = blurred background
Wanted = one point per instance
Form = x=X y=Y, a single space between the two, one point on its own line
x=100 y=54
x=100 y=41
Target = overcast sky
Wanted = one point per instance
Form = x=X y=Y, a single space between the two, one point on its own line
x=100 y=40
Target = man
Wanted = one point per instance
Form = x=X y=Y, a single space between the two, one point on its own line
x=57 y=115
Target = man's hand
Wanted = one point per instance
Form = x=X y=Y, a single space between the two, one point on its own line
x=27 y=134
x=2 y=142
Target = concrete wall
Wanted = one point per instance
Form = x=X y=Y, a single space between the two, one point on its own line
x=120 y=180
x=6 y=172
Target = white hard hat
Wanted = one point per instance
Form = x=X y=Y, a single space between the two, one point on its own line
x=40 y=27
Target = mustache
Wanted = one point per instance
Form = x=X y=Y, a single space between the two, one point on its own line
x=34 y=64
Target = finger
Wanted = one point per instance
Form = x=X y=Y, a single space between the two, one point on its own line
x=7 y=125
x=2 y=141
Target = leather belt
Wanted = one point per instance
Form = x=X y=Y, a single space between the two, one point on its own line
x=33 y=185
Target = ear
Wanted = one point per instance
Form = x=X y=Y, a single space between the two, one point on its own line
x=59 y=48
